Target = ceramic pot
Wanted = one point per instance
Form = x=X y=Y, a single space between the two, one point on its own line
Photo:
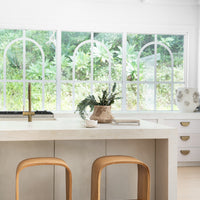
x=187 y=99
x=102 y=114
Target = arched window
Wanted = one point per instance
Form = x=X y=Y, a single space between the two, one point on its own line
x=64 y=67
x=94 y=71
x=151 y=77
x=23 y=62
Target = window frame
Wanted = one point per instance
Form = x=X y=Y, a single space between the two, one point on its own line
x=123 y=81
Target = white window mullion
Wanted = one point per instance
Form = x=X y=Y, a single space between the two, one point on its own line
x=172 y=83
x=124 y=52
x=43 y=81
x=58 y=67
x=92 y=62
x=138 y=79
x=73 y=83
x=186 y=60
x=155 y=70
x=4 y=82
x=110 y=77
x=24 y=69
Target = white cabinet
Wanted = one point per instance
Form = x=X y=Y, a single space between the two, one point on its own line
x=188 y=138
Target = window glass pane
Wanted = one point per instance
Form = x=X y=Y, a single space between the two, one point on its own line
x=83 y=63
x=47 y=41
x=33 y=62
x=14 y=96
x=70 y=40
x=146 y=97
x=131 y=96
x=66 y=96
x=176 y=45
x=14 y=61
x=147 y=63
x=100 y=62
x=176 y=86
x=7 y=36
x=50 y=96
x=113 y=42
x=82 y=90
x=135 y=42
x=163 y=97
x=97 y=89
x=139 y=40
x=36 y=96
x=118 y=103
x=164 y=64
x=1 y=96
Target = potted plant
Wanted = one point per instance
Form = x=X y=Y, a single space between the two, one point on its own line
x=102 y=106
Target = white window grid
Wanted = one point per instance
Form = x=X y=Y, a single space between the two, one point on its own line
x=155 y=82
x=59 y=80
x=24 y=81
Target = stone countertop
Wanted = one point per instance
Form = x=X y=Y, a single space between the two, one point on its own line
x=73 y=129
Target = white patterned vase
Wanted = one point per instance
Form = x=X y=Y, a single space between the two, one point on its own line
x=187 y=99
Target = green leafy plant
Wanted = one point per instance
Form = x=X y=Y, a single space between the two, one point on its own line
x=107 y=99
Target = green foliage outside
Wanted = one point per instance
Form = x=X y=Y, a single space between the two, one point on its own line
x=100 y=62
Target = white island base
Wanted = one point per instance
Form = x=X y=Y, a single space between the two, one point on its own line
x=152 y=143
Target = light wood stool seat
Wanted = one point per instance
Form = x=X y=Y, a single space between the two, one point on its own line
x=45 y=161
x=143 y=175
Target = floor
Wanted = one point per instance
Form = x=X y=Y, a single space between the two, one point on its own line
x=188 y=183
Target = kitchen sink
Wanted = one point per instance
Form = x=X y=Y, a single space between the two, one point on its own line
x=17 y=115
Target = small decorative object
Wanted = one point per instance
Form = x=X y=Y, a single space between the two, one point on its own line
x=126 y=122
x=102 y=106
x=91 y=123
x=187 y=99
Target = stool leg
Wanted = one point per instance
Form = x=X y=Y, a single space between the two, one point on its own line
x=143 y=183
x=17 y=187
x=95 y=184
x=68 y=185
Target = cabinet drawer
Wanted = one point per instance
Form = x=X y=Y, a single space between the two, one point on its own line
x=189 y=140
x=188 y=154
x=183 y=124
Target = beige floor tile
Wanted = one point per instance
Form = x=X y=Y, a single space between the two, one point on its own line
x=188 y=183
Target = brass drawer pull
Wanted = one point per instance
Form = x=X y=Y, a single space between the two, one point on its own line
x=185 y=138
x=185 y=152
x=185 y=124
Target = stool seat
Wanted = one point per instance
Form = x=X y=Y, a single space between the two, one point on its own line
x=143 y=175
x=45 y=161
x=102 y=162
x=41 y=161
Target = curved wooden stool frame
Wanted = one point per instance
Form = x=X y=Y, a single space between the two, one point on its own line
x=143 y=175
x=45 y=161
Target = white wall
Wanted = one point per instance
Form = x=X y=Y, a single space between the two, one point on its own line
x=162 y=16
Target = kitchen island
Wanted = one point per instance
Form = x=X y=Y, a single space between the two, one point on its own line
x=68 y=139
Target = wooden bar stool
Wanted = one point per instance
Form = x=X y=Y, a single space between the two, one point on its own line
x=143 y=175
x=45 y=161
